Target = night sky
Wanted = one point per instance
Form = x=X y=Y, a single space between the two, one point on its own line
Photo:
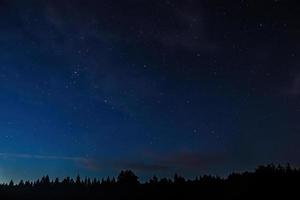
x=193 y=87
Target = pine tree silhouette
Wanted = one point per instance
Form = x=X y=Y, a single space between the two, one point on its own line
x=265 y=182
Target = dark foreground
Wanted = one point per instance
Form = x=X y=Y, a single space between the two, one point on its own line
x=266 y=182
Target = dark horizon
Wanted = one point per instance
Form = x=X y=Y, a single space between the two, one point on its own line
x=141 y=180
x=265 y=182
x=159 y=87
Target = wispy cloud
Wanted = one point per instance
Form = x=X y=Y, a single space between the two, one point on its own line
x=141 y=166
x=160 y=163
x=138 y=166
x=42 y=157
x=192 y=160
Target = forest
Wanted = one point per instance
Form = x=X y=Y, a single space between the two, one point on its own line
x=265 y=182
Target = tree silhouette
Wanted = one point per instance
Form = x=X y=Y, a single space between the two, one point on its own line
x=153 y=180
x=78 y=180
x=265 y=182
x=127 y=177
x=11 y=183
x=178 y=179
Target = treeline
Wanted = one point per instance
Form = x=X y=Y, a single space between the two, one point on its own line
x=265 y=182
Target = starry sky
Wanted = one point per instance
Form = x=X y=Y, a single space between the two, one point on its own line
x=196 y=86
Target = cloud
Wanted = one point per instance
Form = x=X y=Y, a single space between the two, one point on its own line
x=141 y=166
x=93 y=165
x=42 y=157
x=156 y=163
x=192 y=160
x=87 y=163
x=160 y=163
